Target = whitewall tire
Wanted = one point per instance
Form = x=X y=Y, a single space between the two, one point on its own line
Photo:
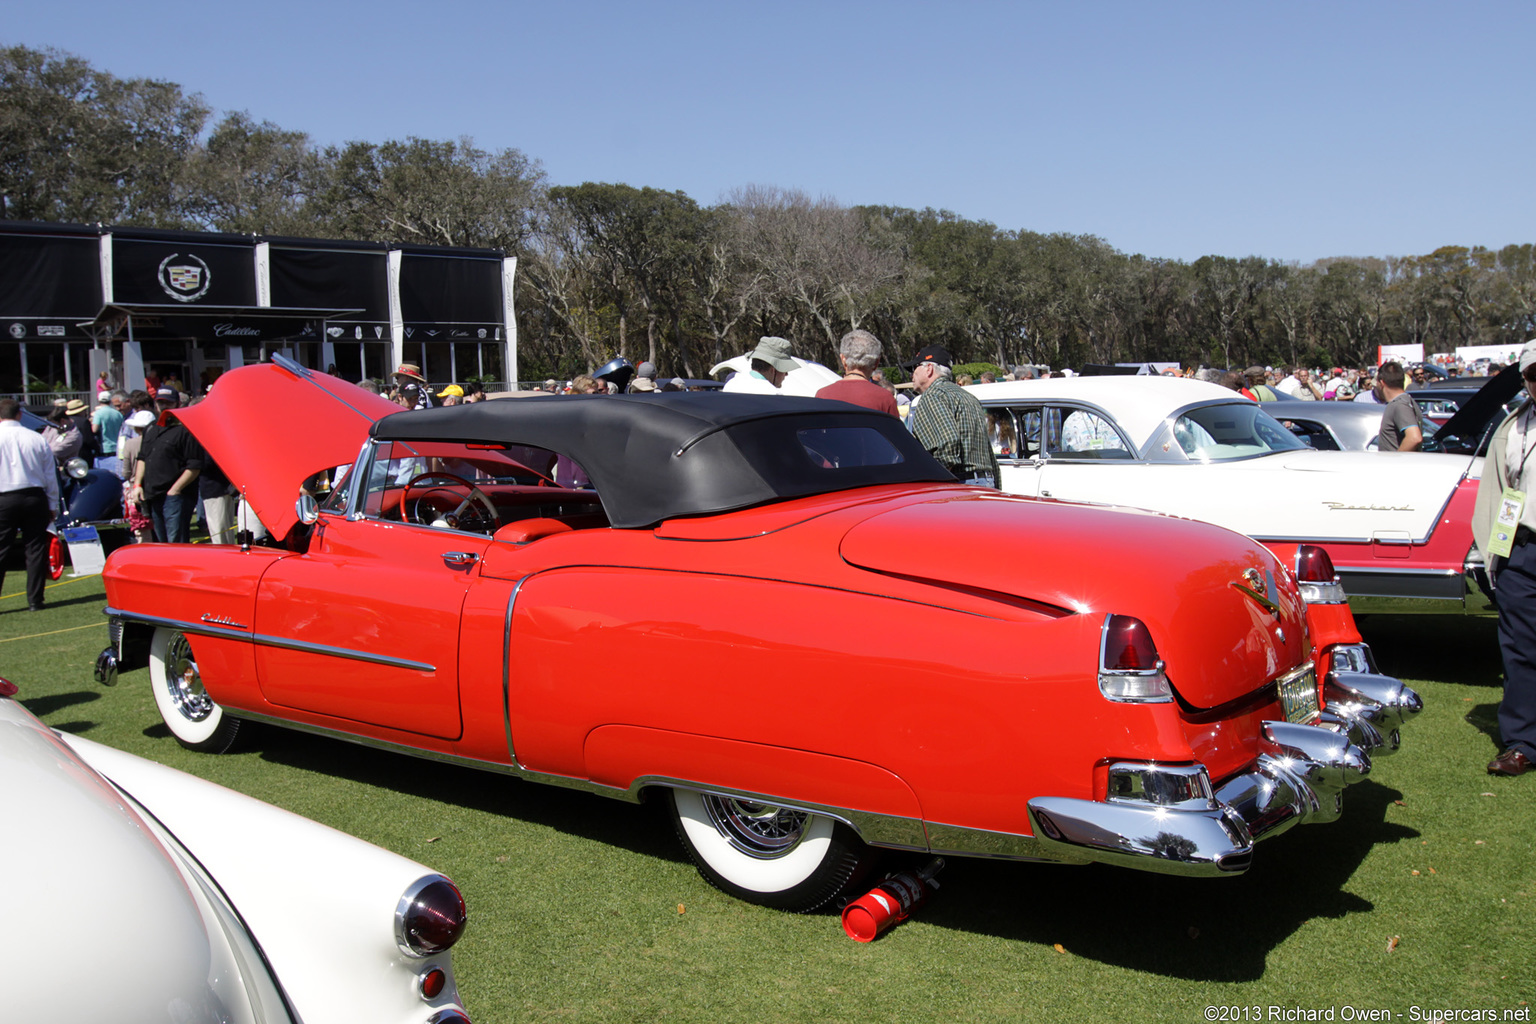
x=773 y=856
x=193 y=718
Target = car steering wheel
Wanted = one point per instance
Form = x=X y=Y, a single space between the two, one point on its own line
x=466 y=515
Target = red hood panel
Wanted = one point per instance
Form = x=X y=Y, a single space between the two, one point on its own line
x=1175 y=575
x=269 y=429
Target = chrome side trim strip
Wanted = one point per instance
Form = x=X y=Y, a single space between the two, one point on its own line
x=266 y=640
x=884 y=830
x=506 y=665
x=193 y=628
x=975 y=842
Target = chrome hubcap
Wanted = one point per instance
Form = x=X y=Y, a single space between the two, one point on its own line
x=759 y=830
x=184 y=683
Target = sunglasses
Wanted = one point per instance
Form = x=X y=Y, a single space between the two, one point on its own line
x=1530 y=375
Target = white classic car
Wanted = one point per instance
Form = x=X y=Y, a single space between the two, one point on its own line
x=152 y=896
x=1397 y=525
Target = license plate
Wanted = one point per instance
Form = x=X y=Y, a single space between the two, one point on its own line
x=1298 y=694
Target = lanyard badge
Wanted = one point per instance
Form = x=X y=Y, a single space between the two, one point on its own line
x=1511 y=506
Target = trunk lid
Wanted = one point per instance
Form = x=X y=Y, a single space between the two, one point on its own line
x=1184 y=579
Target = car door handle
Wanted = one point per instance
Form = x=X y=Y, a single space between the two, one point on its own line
x=460 y=559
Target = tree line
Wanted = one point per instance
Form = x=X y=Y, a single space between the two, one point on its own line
x=611 y=269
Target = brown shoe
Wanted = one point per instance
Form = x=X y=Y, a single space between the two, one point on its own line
x=1511 y=762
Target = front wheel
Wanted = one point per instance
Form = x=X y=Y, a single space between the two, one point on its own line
x=773 y=856
x=55 y=556
x=191 y=715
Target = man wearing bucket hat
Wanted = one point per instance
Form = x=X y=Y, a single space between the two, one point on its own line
x=949 y=421
x=411 y=387
x=771 y=363
x=1504 y=526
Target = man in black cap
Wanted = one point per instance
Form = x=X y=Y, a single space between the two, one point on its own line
x=170 y=459
x=949 y=421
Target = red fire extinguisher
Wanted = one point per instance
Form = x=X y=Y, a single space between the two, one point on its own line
x=891 y=901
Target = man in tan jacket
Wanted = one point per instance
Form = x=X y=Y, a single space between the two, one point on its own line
x=1504 y=527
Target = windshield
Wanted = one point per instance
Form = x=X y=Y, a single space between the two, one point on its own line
x=1234 y=430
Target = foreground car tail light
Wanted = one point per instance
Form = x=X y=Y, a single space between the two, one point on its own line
x=1165 y=785
x=1129 y=668
x=1315 y=577
x=430 y=917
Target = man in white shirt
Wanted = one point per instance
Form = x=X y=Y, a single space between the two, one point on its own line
x=29 y=497
x=1299 y=385
x=771 y=363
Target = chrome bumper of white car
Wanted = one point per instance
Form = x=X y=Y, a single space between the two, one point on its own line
x=1380 y=590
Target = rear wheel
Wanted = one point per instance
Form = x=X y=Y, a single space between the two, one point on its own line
x=773 y=856
x=191 y=715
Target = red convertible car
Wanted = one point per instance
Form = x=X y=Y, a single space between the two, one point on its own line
x=779 y=615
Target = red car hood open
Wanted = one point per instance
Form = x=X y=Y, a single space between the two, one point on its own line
x=270 y=428
x=1178 y=576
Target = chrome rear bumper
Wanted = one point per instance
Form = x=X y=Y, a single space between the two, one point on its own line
x=1298 y=777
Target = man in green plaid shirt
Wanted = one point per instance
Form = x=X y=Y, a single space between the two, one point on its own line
x=949 y=421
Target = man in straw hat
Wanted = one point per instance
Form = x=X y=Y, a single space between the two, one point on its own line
x=411 y=388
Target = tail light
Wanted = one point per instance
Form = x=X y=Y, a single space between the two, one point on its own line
x=430 y=917
x=432 y=983
x=1129 y=668
x=1315 y=576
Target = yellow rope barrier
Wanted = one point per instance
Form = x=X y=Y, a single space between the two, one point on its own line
x=51 y=586
x=51 y=632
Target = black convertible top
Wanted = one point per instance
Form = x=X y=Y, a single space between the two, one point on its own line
x=659 y=456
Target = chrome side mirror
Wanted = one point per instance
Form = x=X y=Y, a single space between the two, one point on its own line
x=307 y=509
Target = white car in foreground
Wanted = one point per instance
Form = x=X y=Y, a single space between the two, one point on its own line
x=1397 y=525
x=152 y=896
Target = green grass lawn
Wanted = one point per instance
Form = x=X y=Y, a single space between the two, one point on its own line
x=586 y=909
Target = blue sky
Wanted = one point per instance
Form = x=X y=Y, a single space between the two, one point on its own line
x=1292 y=130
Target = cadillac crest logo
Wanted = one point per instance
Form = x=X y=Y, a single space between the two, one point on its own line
x=1260 y=587
x=184 y=281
